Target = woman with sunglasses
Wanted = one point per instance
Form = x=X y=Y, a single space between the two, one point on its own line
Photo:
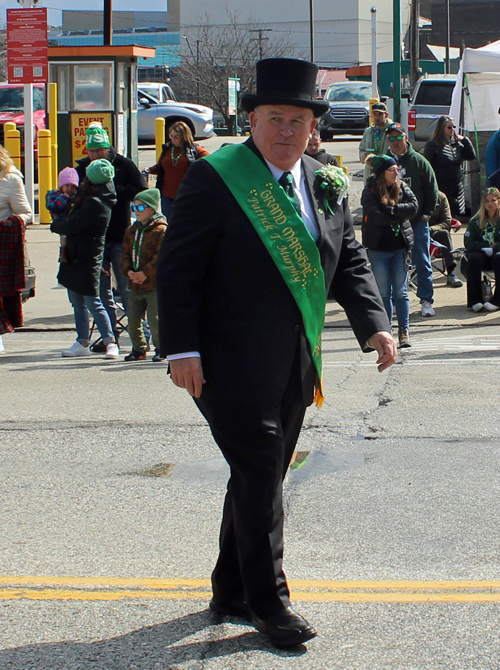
x=482 y=241
x=446 y=151
x=175 y=159
x=388 y=205
x=141 y=245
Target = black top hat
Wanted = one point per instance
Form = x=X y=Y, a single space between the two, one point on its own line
x=285 y=81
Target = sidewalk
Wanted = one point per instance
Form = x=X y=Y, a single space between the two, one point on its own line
x=50 y=308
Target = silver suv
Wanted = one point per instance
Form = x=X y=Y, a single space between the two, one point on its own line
x=349 y=111
x=431 y=99
x=157 y=99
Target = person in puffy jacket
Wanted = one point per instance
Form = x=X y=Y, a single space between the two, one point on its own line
x=446 y=151
x=85 y=231
x=482 y=241
x=388 y=205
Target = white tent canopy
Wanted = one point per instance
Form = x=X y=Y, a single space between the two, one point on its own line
x=480 y=74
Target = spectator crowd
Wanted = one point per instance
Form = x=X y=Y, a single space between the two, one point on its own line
x=411 y=202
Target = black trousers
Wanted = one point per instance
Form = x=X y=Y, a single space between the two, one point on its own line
x=478 y=262
x=258 y=445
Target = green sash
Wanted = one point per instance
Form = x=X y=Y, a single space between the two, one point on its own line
x=284 y=235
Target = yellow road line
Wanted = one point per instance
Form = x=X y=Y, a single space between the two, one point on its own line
x=295 y=584
x=319 y=591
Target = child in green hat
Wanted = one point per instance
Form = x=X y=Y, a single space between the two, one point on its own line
x=141 y=245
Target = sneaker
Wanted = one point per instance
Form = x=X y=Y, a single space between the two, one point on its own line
x=76 y=350
x=157 y=358
x=427 y=309
x=477 y=307
x=490 y=307
x=112 y=351
x=453 y=281
x=404 y=338
x=2 y=346
x=135 y=356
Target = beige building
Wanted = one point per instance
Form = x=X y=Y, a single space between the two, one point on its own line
x=342 y=28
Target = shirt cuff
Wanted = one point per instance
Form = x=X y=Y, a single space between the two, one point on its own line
x=187 y=354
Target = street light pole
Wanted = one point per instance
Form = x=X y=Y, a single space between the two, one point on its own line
x=108 y=22
x=373 y=11
x=396 y=75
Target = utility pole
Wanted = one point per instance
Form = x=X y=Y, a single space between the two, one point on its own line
x=198 y=71
x=259 y=39
x=396 y=76
x=414 y=41
x=447 y=27
x=108 y=22
x=311 y=28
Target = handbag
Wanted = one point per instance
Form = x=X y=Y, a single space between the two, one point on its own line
x=486 y=289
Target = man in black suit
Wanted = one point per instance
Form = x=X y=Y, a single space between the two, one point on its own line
x=242 y=280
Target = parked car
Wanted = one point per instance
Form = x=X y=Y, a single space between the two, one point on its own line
x=157 y=99
x=349 y=111
x=12 y=108
x=431 y=99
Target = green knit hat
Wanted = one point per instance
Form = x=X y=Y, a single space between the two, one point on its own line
x=97 y=136
x=150 y=197
x=100 y=171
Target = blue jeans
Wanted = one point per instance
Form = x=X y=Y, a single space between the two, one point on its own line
x=82 y=305
x=166 y=205
x=391 y=276
x=422 y=261
x=111 y=259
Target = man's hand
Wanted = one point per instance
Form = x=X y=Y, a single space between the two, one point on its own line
x=187 y=373
x=384 y=343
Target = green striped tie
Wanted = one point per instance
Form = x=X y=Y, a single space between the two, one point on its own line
x=286 y=181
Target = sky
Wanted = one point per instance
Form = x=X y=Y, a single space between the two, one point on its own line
x=54 y=7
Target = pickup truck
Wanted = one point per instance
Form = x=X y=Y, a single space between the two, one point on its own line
x=158 y=100
x=431 y=99
x=12 y=108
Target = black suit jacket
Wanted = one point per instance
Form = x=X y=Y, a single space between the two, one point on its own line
x=220 y=293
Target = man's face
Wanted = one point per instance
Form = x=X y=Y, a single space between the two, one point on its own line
x=398 y=142
x=281 y=132
x=314 y=145
x=94 y=154
x=379 y=117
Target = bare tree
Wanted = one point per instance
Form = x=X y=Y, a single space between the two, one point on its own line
x=212 y=54
x=3 y=55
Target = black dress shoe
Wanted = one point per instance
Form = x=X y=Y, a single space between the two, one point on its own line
x=285 y=629
x=231 y=608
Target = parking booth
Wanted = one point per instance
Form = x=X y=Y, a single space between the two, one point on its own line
x=96 y=83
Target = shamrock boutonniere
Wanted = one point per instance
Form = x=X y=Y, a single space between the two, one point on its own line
x=334 y=183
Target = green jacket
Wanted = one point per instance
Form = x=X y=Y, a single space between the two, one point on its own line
x=370 y=145
x=474 y=239
x=417 y=172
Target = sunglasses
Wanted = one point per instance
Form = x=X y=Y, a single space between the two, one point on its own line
x=491 y=191
x=138 y=208
x=393 y=138
x=450 y=127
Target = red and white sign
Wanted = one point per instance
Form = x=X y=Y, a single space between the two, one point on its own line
x=27 y=46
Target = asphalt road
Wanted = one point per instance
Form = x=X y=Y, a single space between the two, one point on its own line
x=111 y=491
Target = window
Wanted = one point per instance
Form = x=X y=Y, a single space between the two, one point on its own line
x=84 y=86
x=435 y=93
